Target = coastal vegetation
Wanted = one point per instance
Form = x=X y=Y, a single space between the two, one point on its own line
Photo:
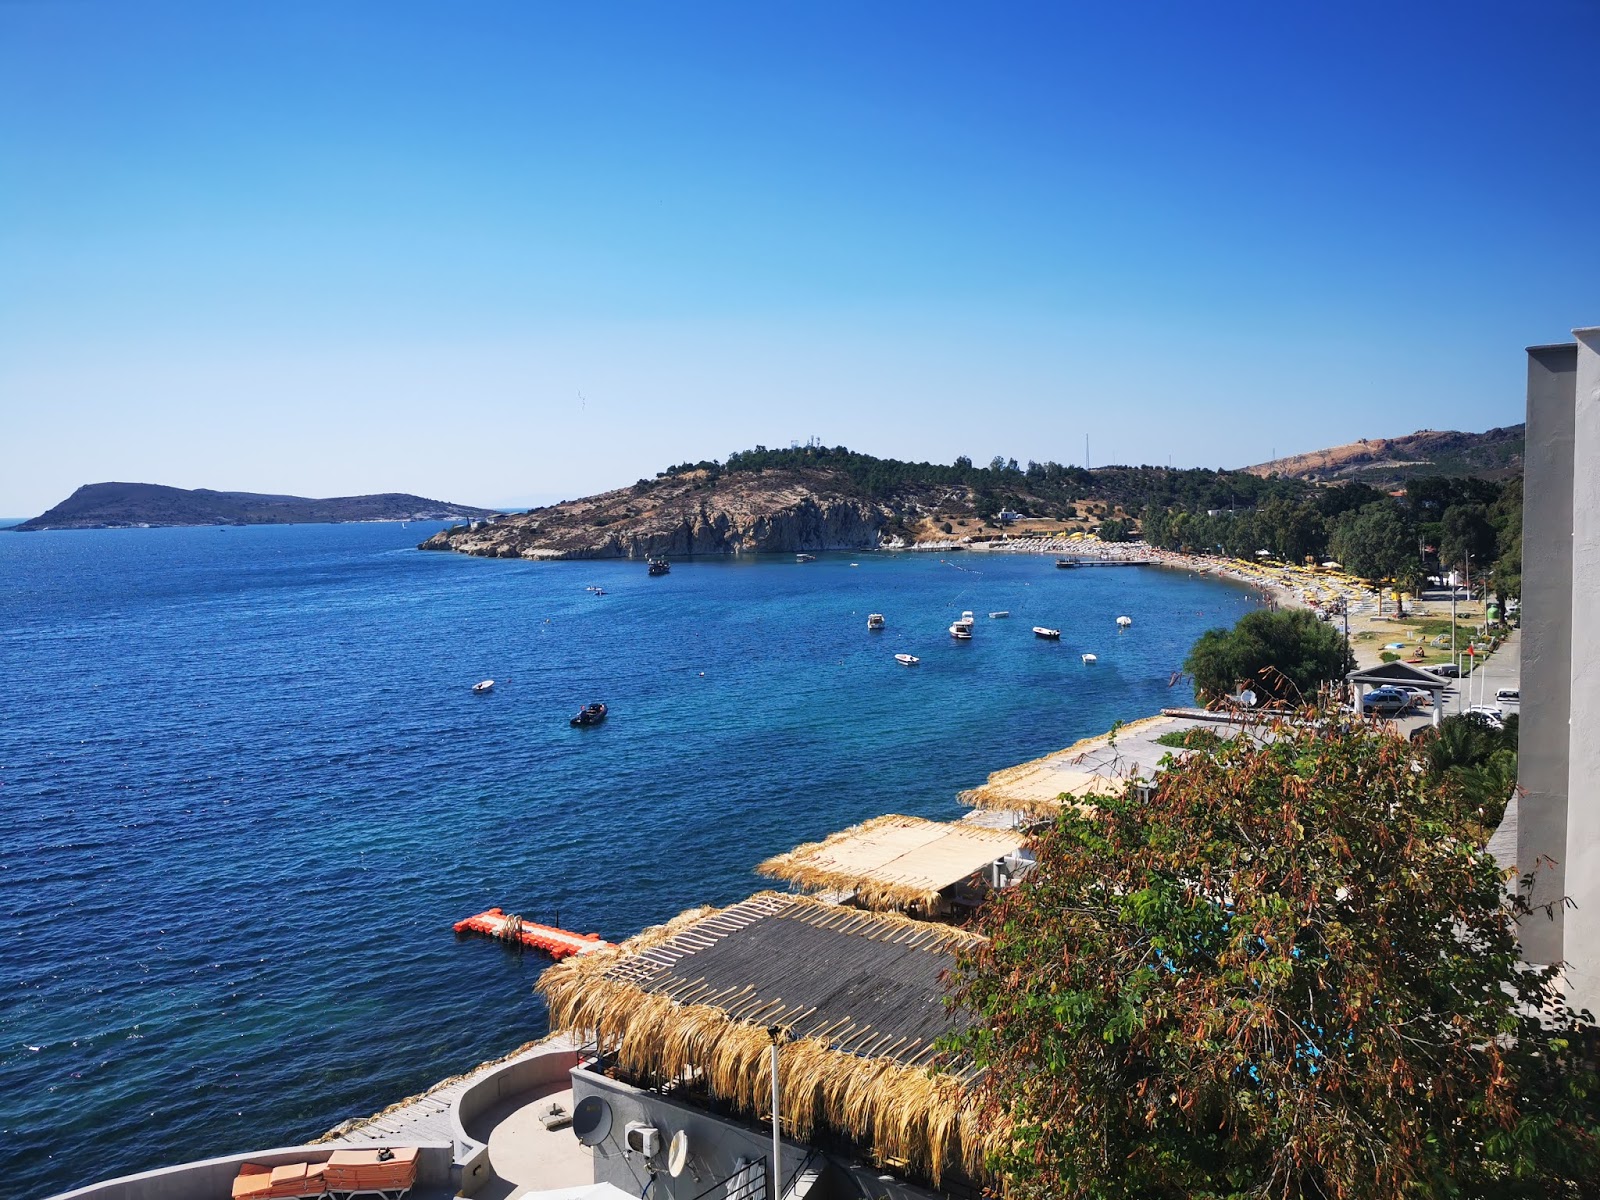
x=816 y=497
x=1282 y=656
x=1284 y=973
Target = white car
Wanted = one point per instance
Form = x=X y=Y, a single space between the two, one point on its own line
x=1509 y=694
x=1491 y=713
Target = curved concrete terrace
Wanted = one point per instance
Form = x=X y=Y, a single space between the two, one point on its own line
x=503 y=1143
x=481 y=1135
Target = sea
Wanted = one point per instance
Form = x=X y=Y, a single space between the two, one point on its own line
x=246 y=788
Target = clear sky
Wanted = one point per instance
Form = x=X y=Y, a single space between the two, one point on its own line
x=504 y=252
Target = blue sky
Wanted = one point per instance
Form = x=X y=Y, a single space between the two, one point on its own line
x=510 y=252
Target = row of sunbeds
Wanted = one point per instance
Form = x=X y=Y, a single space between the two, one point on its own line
x=387 y=1172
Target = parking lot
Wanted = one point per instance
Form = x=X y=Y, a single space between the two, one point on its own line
x=1503 y=669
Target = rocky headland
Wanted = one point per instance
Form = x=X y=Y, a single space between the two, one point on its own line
x=701 y=512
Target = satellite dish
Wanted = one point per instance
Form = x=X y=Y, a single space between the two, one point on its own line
x=591 y=1120
x=678 y=1153
x=1247 y=698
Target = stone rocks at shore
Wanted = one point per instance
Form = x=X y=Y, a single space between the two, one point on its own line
x=694 y=513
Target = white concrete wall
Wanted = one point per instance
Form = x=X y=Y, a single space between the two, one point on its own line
x=212 y=1178
x=1542 y=762
x=715 y=1146
x=1582 y=936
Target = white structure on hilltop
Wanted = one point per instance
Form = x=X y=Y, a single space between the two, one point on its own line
x=1558 y=812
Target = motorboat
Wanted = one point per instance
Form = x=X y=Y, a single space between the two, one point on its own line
x=995 y=616
x=1089 y=658
x=479 y=689
x=1043 y=631
x=658 y=566
x=962 y=633
x=805 y=558
x=589 y=714
x=1124 y=622
x=874 y=620
x=907 y=660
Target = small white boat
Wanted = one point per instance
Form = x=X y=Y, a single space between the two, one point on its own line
x=1089 y=658
x=1046 y=632
x=962 y=633
x=805 y=558
x=995 y=616
x=907 y=660
x=874 y=620
x=481 y=688
x=1124 y=622
x=855 y=564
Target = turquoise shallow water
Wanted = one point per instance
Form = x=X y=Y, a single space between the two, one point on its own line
x=245 y=789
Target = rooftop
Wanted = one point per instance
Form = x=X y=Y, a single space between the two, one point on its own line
x=858 y=996
x=893 y=861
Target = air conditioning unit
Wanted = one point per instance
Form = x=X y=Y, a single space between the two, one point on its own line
x=642 y=1139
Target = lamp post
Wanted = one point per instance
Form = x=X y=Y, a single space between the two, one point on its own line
x=775 y=1032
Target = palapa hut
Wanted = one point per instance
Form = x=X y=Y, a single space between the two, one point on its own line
x=896 y=862
x=859 y=998
x=1103 y=765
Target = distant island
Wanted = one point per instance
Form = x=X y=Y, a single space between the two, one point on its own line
x=139 y=505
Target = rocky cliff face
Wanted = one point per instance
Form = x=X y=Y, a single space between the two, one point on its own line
x=694 y=513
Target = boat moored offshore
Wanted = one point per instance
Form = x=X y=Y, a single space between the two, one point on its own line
x=1046 y=632
x=907 y=660
x=962 y=633
x=589 y=714
x=874 y=620
x=659 y=566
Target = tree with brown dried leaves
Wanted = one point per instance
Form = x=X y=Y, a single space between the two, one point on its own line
x=1286 y=974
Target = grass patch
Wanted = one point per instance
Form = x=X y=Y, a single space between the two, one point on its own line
x=1191 y=739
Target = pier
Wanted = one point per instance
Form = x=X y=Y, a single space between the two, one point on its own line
x=508 y=927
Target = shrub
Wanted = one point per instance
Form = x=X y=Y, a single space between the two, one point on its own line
x=1285 y=655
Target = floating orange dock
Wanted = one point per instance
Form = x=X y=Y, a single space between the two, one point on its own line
x=508 y=927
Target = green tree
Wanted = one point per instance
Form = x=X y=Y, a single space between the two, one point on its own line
x=1284 y=655
x=1282 y=974
x=1372 y=541
x=1467 y=537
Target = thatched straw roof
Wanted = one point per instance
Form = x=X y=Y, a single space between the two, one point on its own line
x=893 y=861
x=859 y=994
x=1095 y=766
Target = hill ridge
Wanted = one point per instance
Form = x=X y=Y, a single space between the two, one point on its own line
x=1494 y=454
x=120 y=505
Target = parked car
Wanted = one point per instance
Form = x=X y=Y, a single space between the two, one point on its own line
x=1491 y=713
x=1509 y=694
x=1448 y=670
x=1385 y=701
x=1421 y=697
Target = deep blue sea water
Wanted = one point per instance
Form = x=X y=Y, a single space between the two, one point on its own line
x=245 y=789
